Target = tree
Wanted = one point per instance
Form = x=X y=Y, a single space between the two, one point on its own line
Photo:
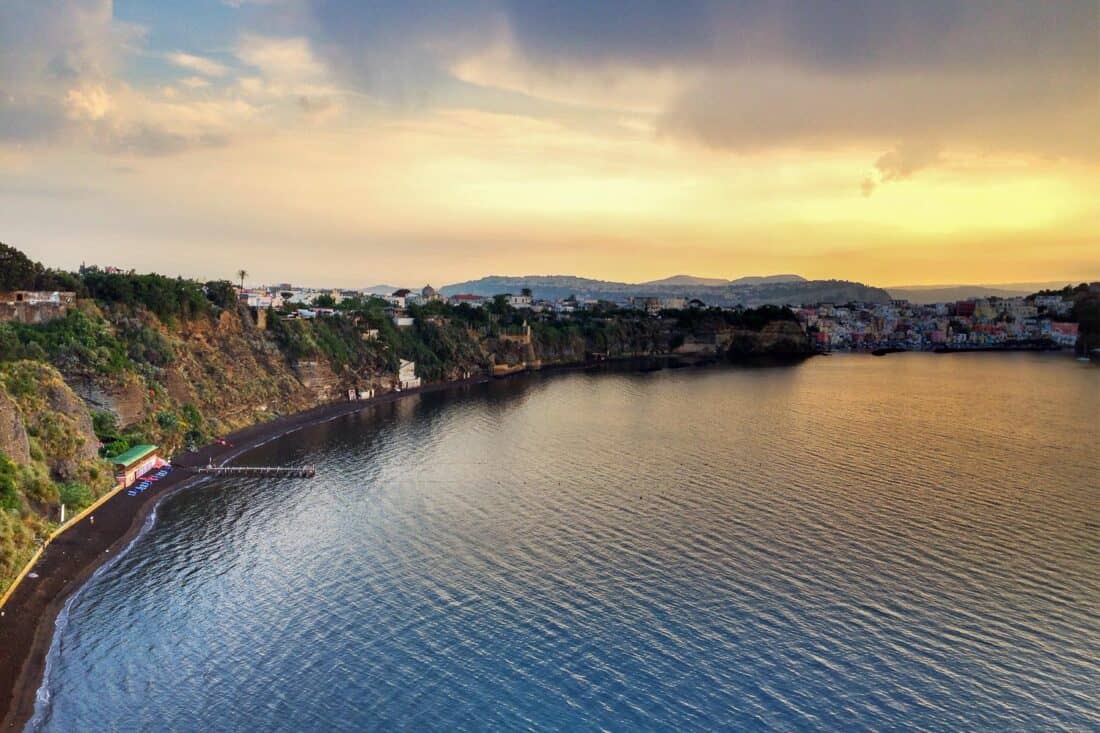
x=221 y=293
x=242 y=274
x=526 y=292
x=17 y=271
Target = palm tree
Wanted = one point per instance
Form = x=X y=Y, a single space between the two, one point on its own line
x=242 y=274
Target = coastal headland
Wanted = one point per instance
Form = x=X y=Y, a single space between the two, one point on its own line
x=99 y=362
x=28 y=618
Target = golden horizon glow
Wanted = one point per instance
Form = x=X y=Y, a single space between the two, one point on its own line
x=269 y=156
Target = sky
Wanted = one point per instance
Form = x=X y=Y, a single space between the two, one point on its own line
x=356 y=142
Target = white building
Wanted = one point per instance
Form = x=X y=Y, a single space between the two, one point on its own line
x=255 y=298
x=1054 y=304
x=406 y=375
x=399 y=298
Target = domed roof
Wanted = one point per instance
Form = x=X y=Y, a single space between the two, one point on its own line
x=428 y=291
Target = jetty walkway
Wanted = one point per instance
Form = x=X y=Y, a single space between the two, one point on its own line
x=258 y=471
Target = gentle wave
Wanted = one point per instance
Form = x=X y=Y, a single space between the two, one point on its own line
x=851 y=544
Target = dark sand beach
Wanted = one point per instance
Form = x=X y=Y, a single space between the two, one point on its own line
x=27 y=624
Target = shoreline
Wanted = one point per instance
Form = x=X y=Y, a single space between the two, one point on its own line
x=28 y=624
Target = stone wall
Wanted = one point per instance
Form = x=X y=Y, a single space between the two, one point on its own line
x=22 y=312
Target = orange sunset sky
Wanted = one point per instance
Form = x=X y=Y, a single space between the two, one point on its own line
x=352 y=143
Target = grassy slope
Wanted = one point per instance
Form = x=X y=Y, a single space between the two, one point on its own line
x=178 y=374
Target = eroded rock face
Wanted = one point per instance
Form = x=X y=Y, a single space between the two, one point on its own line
x=125 y=399
x=61 y=399
x=53 y=416
x=13 y=436
x=785 y=337
x=778 y=340
x=318 y=377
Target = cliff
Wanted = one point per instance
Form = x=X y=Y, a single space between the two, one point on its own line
x=49 y=455
x=149 y=359
x=775 y=341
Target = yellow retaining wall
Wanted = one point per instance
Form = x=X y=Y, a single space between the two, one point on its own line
x=56 y=533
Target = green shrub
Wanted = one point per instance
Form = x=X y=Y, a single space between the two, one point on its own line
x=168 y=421
x=105 y=424
x=75 y=495
x=75 y=342
x=115 y=447
x=9 y=497
x=169 y=298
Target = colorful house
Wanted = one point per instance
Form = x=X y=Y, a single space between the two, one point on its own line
x=136 y=462
x=1064 y=334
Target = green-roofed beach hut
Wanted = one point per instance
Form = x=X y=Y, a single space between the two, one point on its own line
x=131 y=464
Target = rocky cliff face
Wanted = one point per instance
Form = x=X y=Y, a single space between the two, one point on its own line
x=124 y=395
x=54 y=417
x=13 y=435
x=221 y=368
x=779 y=340
x=185 y=380
x=232 y=372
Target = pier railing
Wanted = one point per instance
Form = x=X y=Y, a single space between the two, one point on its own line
x=258 y=471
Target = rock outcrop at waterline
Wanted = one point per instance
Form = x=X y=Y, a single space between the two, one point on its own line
x=779 y=340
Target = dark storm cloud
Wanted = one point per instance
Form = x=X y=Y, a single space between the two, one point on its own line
x=852 y=34
x=398 y=50
x=643 y=32
x=765 y=74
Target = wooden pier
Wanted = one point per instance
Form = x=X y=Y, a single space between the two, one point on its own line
x=258 y=471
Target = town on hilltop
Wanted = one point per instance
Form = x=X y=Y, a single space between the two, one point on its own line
x=1041 y=321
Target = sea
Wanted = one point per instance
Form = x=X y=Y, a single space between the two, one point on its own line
x=852 y=543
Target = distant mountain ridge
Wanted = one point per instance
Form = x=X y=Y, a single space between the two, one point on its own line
x=691 y=280
x=380 y=289
x=751 y=292
x=924 y=294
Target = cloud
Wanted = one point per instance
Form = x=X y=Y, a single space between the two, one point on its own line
x=57 y=58
x=319 y=109
x=905 y=160
x=197 y=64
x=195 y=82
x=1008 y=75
x=901 y=163
x=283 y=59
x=91 y=102
x=63 y=86
x=1030 y=111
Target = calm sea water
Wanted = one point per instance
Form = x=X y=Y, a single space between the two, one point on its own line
x=854 y=543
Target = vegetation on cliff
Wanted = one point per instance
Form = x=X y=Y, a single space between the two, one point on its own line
x=1085 y=312
x=49 y=455
x=144 y=358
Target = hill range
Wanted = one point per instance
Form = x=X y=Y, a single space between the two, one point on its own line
x=747 y=291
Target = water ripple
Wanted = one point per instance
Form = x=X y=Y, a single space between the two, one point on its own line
x=852 y=544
